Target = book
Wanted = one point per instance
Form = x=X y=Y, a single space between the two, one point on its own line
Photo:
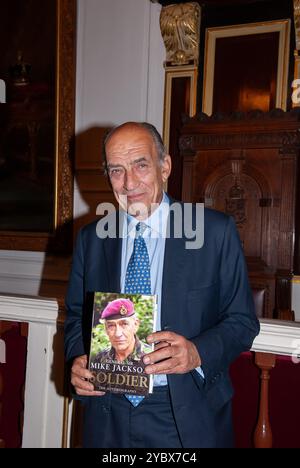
x=121 y=324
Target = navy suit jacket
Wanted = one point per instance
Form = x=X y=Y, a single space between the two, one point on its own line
x=205 y=297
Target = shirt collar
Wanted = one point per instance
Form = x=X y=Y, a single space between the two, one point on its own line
x=157 y=222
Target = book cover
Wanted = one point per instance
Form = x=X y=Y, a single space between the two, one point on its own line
x=121 y=324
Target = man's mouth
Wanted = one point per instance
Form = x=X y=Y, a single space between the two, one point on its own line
x=135 y=197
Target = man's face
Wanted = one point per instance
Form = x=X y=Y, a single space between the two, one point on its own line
x=121 y=333
x=135 y=170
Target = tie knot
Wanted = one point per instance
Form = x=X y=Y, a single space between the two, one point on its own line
x=140 y=229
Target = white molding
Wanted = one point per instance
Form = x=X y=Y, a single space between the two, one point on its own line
x=20 y=277
x=21 y=272
x=22 y=256
x=278 y=337
x=28 y=309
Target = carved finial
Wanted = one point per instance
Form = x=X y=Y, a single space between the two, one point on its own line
x=180 y=28
x=297 y=22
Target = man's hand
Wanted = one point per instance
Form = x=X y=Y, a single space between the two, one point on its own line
x=177 y=354
x=80 y=376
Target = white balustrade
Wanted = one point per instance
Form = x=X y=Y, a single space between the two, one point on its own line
x=44 y=401
x=45 y=406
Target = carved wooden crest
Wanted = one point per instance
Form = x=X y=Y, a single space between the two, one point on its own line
x=180 y=28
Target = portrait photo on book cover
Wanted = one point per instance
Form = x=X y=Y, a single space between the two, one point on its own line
x=121 y=324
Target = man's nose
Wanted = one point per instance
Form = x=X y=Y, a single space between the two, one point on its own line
x=131 y=182
x=118 y=330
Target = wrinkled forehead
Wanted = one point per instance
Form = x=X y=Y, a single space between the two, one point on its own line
x=120 y=321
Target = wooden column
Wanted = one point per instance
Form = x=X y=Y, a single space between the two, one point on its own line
x=263 y=431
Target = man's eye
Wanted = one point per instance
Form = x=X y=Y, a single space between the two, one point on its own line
x=115 y=172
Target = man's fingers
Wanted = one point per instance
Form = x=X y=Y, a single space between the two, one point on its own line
x=168 y=366
x=82 y=384
x=80 y=378
x=80 y=361
x=81 y=373
x=160 y=345
x=85 y=393
x=79 y=369
x=84 y=388
x=162 y=336
x=165 y=352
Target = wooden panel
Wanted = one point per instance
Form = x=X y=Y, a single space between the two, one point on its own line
x=92 y=183
x=246 y=165
x=245 y=88
x=89 y=148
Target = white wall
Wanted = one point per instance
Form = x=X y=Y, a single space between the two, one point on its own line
x=120 y=73
x=116 y=39
x=120 y=77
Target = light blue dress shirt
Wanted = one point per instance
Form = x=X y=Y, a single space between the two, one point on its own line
x=155 y=239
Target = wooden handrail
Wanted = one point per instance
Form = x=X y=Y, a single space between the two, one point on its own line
x=263 y=432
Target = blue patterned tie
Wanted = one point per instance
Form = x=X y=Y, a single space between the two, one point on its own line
x=138 y=279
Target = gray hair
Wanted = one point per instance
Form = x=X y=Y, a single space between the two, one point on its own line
x=160 y=147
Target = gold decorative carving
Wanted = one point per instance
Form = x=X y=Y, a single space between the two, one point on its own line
x=297 y=22
x=297 y=50
x=180 y=28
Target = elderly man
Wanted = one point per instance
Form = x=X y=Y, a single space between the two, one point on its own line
x=205 y=314
x=121 y=326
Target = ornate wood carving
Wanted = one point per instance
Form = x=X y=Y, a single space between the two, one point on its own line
x=246 y=165
x=180 y=28
x=297 y=22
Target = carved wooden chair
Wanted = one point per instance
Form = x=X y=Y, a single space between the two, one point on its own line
x=259 y=301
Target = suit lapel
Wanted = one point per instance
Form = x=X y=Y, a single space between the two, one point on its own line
x=113 y=256
x=172 y=273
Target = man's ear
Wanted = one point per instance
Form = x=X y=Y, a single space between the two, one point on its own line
x=137 y=323
x=166 y=167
